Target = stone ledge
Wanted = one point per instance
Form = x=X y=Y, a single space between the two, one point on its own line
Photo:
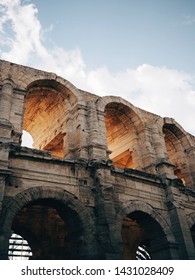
x=139 y=175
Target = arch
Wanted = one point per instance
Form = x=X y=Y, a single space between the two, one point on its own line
x=65 y=91
x=102 y=102
x=48 y=105
x=26 y=81
x=179 y=132
x=14 y=205
x=178 y=143
x=126 y=133
x=139 y=212
x=23 y=76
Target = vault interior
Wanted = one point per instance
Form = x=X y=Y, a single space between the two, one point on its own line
x=45 y=116
x=121 y=134
x=176 y=153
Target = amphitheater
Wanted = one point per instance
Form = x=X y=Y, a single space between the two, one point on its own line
x=104 y=179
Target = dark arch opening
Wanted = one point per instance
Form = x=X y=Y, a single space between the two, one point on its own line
x=141 y=232
x=52 y=230
x=193 y=233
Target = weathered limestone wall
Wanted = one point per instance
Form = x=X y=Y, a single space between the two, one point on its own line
x=96 y=163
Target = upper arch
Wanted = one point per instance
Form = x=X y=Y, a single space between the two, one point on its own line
x=102 y=102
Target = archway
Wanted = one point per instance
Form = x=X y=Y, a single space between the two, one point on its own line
x=176 y=145
x=143 y=232
x=122 y=130
x=47 y=106
x=52 y=230
x=145 y=228
x=54 y=222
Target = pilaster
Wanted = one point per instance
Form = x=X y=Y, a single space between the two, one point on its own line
x=191 y=159
x=180 y=226
x=164 y=168
x=97 y=145
x=5 y=108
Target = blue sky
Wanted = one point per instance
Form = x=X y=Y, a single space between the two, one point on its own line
x=124 y=33
x=141 y=50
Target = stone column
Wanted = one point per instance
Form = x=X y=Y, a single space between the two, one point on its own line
x=163 y=166
x=3 y=175
x=105 y=210
x=77 y=133
x=68 y=139
x=4 y=235
x=191 y=161
x=2 y=189
x=181 y=231
x=136 y=153
x=5 y=99
x=148 y=152
x=97 y=134
x=5 y=108
x=82 y=131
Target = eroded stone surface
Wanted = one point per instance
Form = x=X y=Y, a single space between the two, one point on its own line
x=96 y=161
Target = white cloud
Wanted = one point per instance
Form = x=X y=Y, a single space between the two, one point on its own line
x=160 y=90
x=163 y=91
x=26 y=46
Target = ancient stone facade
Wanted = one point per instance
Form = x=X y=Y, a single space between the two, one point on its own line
x=103 y=176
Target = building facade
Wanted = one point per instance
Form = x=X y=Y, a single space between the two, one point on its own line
x=103 y=178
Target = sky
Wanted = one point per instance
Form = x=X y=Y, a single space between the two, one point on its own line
x=141 y=50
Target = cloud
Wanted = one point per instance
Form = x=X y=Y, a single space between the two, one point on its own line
x=26 y=45
x=188 y=20
x=166 y=92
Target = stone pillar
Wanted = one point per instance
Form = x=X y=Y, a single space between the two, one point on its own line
x=136 y=153
x=2 y=189
x=75 y=137
x=5 y=108
x=180 y=227
x=5 y=99
x=97 y=145
x=83 y=132
x=148 y=152
x=191 y=161
x=68 y=139
x=3 y=175
x=163 y=166
x=181 y=231
x=105 y=210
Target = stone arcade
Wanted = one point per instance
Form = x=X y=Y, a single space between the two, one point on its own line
x=103 y=178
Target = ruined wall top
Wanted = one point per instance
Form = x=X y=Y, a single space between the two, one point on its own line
x=71 y=123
